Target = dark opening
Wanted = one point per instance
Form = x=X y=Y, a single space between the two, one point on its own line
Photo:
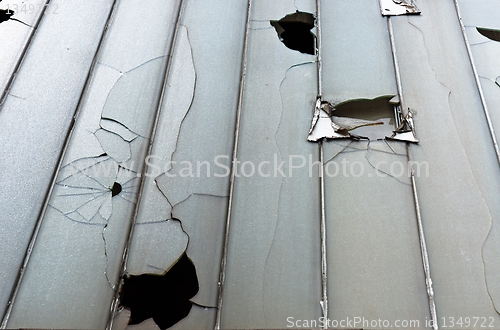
x=165 y=297
x=294 y=30
x=116 y=189
x=380 y=110
x=5 y=15
x=489 y=33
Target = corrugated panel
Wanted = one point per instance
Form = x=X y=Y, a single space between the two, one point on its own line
x=178 y=91
x=34 y=121
x=457 y=198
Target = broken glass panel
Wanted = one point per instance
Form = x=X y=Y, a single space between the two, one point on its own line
x=273 y=264
x=34 y=119
x=18 y=21
x=460 y=225
x=79 y=249
x=185 y=178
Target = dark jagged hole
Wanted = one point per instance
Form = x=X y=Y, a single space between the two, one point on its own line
x=6 y=14
x=378 y=109
x=116 y=189
x=489 y=33
x=165 y=297
x=294 y=30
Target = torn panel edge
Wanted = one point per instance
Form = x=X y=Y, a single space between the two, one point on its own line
x=398 y=7
x=406 y=130
x=323 y=124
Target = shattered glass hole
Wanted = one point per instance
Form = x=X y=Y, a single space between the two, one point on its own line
x=378 y=110
x=6 y=14
x=116 y=189
x=164 y=298
x=294 y=31
x=489 y=33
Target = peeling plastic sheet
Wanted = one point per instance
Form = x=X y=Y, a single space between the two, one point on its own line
x=398 y=7
x=466 y=255
x=78 y=252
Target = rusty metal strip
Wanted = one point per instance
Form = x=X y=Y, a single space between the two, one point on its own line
x=222 y=275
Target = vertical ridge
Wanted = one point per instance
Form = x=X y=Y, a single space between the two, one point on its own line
x=231 y=185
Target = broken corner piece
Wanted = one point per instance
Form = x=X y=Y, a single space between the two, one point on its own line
x=405 y=131
x=398 y=7
x=324 y=125
x=321 y=125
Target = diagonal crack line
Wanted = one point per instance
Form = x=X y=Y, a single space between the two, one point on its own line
x=485 y=202
x=282 y=103
x=113 y=286
x=192 y=99
x=388 y=145
x=119 y=123
x=427 y=53
x=378 y=169
x=266 y=262
x=341 y=151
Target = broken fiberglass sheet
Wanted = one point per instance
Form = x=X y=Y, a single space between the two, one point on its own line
x=459 y=196
x=368 y=193
x=79 y=247
x=273 y=265
x=18 y=21
x=184 y=203
x=34 y=121
x=483 y=33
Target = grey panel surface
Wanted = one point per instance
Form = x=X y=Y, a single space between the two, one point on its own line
x=357 y=58
x=273 y=265
x=375 y=267
x=34 y=121
x=459 y=197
